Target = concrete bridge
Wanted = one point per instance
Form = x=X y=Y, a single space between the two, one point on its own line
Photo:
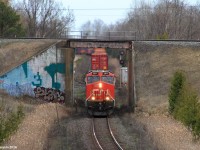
x=127 y=45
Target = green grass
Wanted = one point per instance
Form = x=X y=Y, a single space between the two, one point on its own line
x=11 y=123
x=184 y=103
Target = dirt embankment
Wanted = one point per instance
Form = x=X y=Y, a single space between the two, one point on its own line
x=52 y=126
x=15 y=52
x=33 y=132
x=40 y=130
x=167 y=133
x=155 y=64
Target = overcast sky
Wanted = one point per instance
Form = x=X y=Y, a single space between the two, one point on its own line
x=109 y=11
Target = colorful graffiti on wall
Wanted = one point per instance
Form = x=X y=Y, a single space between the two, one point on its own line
x=52 y=70
x=43 y=77
x=50 y=95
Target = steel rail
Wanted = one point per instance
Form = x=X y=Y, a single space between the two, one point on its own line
x=94 y=134
x=111 y=134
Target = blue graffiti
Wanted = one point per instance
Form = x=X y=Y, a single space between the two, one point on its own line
x=3 y=76
x=25 y=68
x=19 y=90
x=52 y=70
x=38 y=81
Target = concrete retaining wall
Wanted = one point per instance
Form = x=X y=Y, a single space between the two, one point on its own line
x=42 y=76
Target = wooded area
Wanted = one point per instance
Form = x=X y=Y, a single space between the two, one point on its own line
x=39 y=18
x=166 y=19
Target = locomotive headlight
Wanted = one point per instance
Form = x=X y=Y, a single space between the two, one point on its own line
x=93 y=98
x=100 y=85
x=107 y=98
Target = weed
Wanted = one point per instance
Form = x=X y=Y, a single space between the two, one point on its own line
x=10 y=124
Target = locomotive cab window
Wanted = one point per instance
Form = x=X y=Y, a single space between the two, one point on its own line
x=93 y=79
x=108 y=79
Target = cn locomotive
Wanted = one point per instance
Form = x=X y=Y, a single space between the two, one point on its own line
x=100 y=85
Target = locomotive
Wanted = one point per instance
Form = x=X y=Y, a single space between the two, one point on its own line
x=100 y=85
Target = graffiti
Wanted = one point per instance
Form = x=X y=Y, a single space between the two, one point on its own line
x=50 y=95
x=25 y=68
x=46 y=70
x=19 y=90
x=3 y=76
x=52 y=69
x=38 y=80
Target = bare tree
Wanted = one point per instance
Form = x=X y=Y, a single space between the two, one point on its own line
x=93 y=29
x=44 y=18
x=172 y=19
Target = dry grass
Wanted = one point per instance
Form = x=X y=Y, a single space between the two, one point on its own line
x=39 y=118
x=167 y=133
x=33 y=132
x=14 y=53
x=9 y=104
x=155 y=66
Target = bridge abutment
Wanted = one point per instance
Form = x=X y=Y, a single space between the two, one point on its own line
x=69 y=60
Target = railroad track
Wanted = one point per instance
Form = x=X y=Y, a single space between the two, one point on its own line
x=103 y=135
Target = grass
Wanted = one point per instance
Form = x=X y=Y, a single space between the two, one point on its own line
x=183 y=103
x=22 y=50
x=155 y=66
x=11 y=123
x=12 y=112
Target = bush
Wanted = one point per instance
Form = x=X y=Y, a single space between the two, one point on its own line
x=196 y=130
x=183 y=103
x=163 y=36
x=187 y=108
x=177 y=84
x=10 y=125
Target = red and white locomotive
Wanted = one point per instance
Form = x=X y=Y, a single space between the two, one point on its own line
x=100 y=85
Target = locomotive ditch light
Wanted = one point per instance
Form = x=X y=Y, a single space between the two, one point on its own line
x=107 y=98
x=93 y=98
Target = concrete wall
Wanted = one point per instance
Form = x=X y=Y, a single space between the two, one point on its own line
x=42 y=76
x=155 y=64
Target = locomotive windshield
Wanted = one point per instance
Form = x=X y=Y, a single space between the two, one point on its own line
x=92 y=79
x=108 y=79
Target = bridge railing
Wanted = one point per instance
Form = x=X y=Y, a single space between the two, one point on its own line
x=110 y=35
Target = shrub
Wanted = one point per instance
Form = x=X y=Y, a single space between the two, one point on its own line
x=187 y=108
x=177 y=84
x=196 y=130
x=163 y=36
x=183 y=103
x=10 y=125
